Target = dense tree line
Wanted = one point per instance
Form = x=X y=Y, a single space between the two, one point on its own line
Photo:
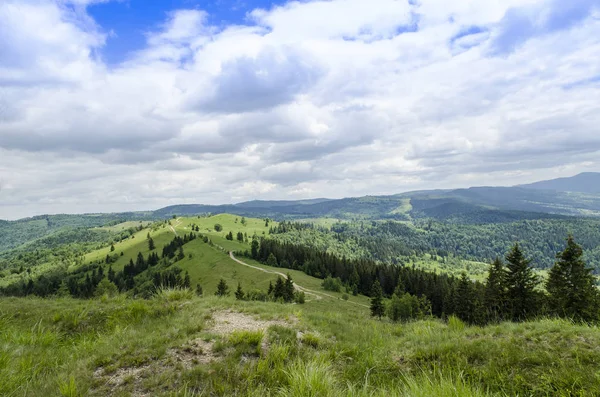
x=138 y=278
x=512 y=290
x=397 y=242
x=283 y=291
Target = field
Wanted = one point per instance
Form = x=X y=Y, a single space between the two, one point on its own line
x=180 y=345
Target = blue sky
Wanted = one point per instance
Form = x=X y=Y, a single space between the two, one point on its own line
x=131 y=20
x=110 y=105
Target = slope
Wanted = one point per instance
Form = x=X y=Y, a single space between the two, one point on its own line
x=586 y=182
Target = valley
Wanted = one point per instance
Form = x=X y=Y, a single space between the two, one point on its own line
x=227 y=303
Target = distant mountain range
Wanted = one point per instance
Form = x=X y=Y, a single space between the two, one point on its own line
x=587 y=182
x=558 y=198
x=575 y=196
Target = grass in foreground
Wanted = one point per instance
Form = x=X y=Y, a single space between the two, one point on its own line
x=170 y=346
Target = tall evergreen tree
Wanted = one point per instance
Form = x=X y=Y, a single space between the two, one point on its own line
x=495 y=291
x=279 y=289
x=570 y=285
x=222 y=288
x=150 y=243
x=288 y=291
x=377 y=307
x=520 y=285
x=239 y=293
x=254 y=247
x=464 y=305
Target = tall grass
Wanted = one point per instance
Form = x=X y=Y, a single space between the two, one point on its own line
x=54 y=346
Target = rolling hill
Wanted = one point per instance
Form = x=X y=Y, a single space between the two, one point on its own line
x=586 y=182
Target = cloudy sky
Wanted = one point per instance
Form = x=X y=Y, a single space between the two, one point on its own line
x=124 y=105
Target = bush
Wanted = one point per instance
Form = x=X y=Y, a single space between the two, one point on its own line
x=218 y=227
x=332 y=284
x=405 y=307
x=299 y=297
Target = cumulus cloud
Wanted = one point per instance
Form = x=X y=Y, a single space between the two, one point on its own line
x=306 y=99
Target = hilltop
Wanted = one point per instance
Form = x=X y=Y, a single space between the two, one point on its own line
x=586 y=182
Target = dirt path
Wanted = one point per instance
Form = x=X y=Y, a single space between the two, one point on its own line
x=317 y=295
x=176 y=224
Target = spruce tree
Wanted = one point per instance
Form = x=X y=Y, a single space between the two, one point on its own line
x=520 y=285
x=151 y=244
x=272 y=260
x=199 y=290
x=186 y=281
x=222 y=288
x=239 y=293
x=288 y=291
x=464 y=305
x=377 y=307
x=254 y=248
x=270 y=290
x=111 y=274
x=495 y=291
x=570 y=285
x=279 y=289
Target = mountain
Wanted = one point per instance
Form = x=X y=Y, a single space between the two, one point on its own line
x=587 y=182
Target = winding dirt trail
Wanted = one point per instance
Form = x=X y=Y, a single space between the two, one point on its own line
x=178 y=221
x=317 y=295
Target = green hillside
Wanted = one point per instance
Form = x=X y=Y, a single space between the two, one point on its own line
x=178 y=345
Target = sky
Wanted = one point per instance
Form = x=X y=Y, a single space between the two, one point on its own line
x=134 y=104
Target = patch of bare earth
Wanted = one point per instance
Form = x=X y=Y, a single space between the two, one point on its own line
x=124 y=376
x=194 y=352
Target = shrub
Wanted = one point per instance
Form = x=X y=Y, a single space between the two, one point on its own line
x=332 y=284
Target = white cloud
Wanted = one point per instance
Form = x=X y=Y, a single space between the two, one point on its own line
x=322 y=98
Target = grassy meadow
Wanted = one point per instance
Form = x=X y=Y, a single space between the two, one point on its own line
x=177 y=344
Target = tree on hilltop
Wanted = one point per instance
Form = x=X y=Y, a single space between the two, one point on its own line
x=377 y=307
x=571 y=288
x=521 y=283
x=222 y=288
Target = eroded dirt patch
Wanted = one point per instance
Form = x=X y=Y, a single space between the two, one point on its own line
x=198 y=351
x=226 y=322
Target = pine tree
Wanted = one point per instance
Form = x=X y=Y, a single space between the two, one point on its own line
x=377 y=307
x=150 y=243
x=464 y=305
x=222 y=288
x=180 y=255
x=254 y=248
x=288 y=291
x=112 y=247
x=279 y=289
x=239 y=293
x=272 y=260
x=186 y=281
x=570 y=285
x=520 y=285
x=199 y=290
x=495 y=291
x=270 y=290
